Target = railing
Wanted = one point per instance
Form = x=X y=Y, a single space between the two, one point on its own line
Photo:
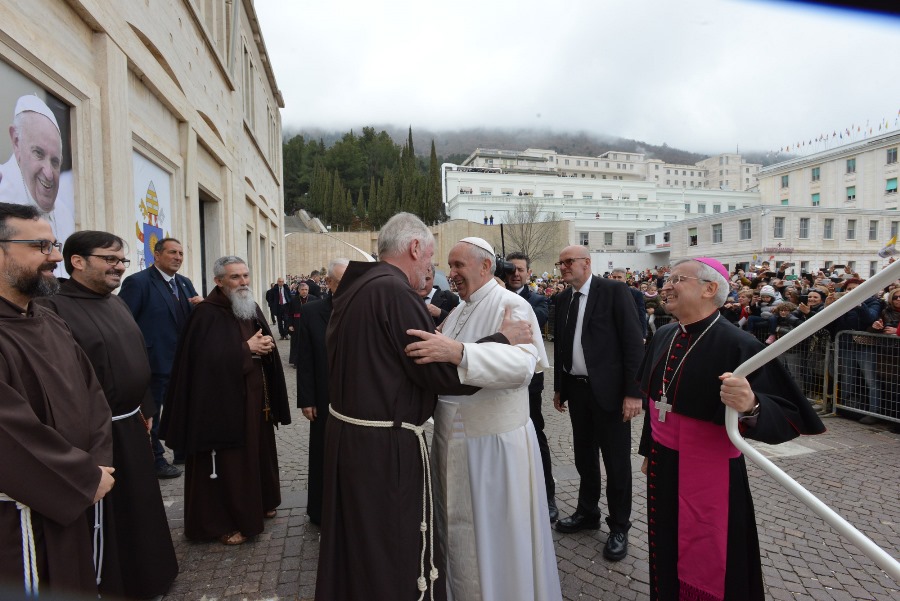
x=867 y=374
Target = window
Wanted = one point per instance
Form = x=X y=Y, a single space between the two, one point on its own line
x=488 y=191
x=717 y=208
x=629 y=239
x=716 y=233
x=804 y=266
x=873 y=229
x=701 y=208
x=804 y=228
x=851 y=229
x=851 y=193
x=548 y=194
x=651 y=239
x=506 y=191
x=587 y=195
x=785 y=202
x=583 y=238
x=687 y=207
x=249 y=91
x=890 y=186
x=815 y=199
x=666 y=237
x=851 y=265
x=568 y=195
x=668 y=172
x=692 y=236
x=607 y=238
x=731 y=207
x=578 y=163
x=746 y=231
x=784 y=181
x=894 y=228
x=816 y=173
x=567 y=161
x=891 y=156
x=778 y=232
x=596 y=163
x=828 y=230
x=851 y=165
x=873 y=268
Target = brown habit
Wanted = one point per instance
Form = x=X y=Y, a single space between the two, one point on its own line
x=54 y=432
x=139 y=559
x=215 y=401
x=372 y=498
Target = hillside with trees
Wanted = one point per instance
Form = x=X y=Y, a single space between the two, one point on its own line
x=357 y=181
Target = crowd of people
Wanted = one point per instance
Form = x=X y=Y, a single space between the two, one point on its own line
x=379 y=350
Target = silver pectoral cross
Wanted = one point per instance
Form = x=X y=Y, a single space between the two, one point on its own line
x=663 y=407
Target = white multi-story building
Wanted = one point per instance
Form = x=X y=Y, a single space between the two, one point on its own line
x=606 y=214
x=837 y=207
x=723 y=172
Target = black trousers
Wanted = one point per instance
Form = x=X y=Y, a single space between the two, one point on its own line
x=598 y=432
x=535 y=393
x=281 y=315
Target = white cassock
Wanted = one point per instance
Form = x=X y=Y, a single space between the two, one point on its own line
x=489 y=493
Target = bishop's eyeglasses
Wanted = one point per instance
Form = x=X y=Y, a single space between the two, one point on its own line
x=677 y=279
x=46 y=245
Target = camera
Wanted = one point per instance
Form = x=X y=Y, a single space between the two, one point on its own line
x=503 y=268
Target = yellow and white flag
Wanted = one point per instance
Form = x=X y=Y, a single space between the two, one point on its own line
x=889 y=250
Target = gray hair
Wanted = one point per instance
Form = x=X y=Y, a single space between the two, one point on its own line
x=618 y=270
x=335 y=262
x=221 y=262
x=705 y=272
x=479 y=254
x=398 y=234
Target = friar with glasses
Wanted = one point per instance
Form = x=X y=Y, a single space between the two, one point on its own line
x=139 y=559
x=55 y=428
x=701 y=526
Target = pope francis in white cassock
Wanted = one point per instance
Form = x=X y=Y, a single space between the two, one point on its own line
x=489 y=494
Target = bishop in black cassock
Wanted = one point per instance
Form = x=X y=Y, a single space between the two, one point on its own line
x=701 y=525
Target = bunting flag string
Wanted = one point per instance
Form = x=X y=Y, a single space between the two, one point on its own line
x=852 y=133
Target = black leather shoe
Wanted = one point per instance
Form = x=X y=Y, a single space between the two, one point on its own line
x=616 y=546
x=554 y=512
x=578 y=521
x=167 y=471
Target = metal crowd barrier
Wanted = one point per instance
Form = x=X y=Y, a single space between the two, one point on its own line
x=867 y=374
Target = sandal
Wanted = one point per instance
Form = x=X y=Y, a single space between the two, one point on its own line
x=271 y=514
x=235 y=538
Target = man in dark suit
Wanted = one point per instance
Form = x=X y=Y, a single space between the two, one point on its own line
x=313 y=282
x=518 y=282
x=161 y=301
x=279 y=305
x=597 y=353
x=312 y=383
x=438 y=302
x=270 y=301
x=620 y=275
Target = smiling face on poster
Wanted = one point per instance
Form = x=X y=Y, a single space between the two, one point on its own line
x=38 y=169
x=153 y=205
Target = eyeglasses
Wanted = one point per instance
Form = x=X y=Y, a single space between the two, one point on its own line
x=46 y=246
x=112 y=260
x=568 y=262
x=677 y=279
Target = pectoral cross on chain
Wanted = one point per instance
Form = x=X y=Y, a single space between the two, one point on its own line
x=663 y=407
x=267 y=410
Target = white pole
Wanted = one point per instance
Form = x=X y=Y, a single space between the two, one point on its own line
x=855 y=297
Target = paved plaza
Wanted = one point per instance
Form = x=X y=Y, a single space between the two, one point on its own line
x=855 y=469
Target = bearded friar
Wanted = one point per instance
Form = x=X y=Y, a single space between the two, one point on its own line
x=226 y=396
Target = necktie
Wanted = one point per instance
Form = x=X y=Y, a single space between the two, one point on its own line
x=173 y=288
x=569 y=332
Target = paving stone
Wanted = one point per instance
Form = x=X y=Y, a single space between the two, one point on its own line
x=854 y=469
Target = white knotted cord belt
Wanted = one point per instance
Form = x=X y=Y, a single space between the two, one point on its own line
x=98 y=540
x=426 y=527
x=29 y=555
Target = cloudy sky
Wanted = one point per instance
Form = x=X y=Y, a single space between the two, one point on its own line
x=703 y=75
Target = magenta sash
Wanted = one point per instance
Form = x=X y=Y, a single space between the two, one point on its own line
x=704 y=452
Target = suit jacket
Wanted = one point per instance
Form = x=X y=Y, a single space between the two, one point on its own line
x=444 y=300
x=151 y=302
x=272 y=297
x=539 y=303
x=312 y=360
x=638 y=297
x=611 y=339
x=314 y=289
